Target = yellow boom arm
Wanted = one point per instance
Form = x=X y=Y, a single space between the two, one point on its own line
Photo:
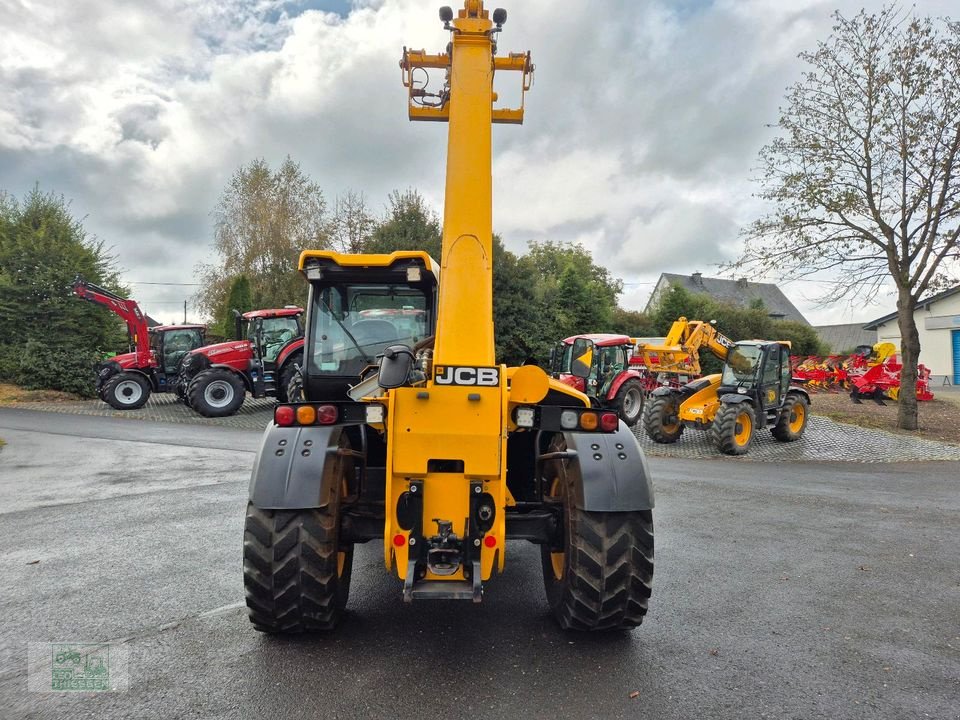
x=680 y=350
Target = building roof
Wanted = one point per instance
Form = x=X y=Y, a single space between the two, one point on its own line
x=923 y=304
x=845 y=337
x=737 y=292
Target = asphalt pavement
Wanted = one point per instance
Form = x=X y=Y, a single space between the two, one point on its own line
x=782 y=590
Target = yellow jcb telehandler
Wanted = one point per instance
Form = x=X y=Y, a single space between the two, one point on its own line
x=752 y=392
x=444 y=454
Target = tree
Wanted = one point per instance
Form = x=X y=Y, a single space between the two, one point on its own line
x=864 y=177
x=352 y=223
x=410 y=224
x=239 y=298
x=262 y=222
x=48 y=337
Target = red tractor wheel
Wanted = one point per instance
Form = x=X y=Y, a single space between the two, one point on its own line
x=629 y=402
x=216 y=392
x=126 y=391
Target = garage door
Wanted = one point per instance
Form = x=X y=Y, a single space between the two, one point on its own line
x=956 y=357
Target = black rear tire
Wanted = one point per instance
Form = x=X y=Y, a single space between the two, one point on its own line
x=288 y=374
x=126 y=391
x=295 y=573
x=216 y=392
x=734 y=428
x=660 y=419
x=629 y=402
x=792 y=420
x=602 y=576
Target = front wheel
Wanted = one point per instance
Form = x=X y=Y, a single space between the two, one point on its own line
x=732 y=428
x=126 y=391
x=599 y=577
x=216 y=392
x=661 y=418
x=629 y=402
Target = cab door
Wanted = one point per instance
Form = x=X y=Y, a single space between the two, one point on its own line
x=771 y=376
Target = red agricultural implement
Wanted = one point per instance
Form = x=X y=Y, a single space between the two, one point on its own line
x=214 y=380
x=870 y=372
x=126 y=381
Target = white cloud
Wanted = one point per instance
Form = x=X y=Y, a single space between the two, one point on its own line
x=642 y=127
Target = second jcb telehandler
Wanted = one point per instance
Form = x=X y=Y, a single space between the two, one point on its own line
x=751 y=393
x=446 y=455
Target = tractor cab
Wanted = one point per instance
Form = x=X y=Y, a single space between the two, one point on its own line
x=268 y=331
x=599 y=366
x=170 y=343
x=358 y=311
x=760 y=370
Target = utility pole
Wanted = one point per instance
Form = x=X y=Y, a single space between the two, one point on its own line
x=184 y=312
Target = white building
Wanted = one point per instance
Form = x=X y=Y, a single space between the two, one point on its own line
x=938 y=322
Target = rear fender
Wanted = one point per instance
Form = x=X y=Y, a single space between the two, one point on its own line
x=620 y=380
x=793 y=390
x=610 y=472
x=296 y=467
x=288 y=351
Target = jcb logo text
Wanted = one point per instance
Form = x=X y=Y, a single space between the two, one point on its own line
x=452 y=375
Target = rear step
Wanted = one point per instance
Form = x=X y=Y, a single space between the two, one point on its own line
x=442 y=589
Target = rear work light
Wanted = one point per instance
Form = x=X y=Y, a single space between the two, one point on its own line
x=284 y=415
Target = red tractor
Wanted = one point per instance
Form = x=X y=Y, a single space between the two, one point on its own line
x=599 y=366
x=126 y=381
x=268 y=350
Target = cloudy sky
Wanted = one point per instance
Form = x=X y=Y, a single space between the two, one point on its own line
x=640 y=137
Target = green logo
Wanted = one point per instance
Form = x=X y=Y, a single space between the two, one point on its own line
x=83 y=667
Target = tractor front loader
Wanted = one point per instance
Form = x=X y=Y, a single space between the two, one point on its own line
x=753 y=391
x=126 y=381
x=443 y=454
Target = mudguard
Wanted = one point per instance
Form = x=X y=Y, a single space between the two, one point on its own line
x=291 y=348
x=793 y=389
x=611 y=472
x=291 y=470
x=734 y=398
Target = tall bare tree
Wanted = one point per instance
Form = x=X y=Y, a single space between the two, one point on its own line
x=352 y=222
x=262 y=222
x=864 y=176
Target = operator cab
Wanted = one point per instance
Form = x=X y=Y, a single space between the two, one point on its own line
x=170 y=343
x=356 y=312
x=758 y=369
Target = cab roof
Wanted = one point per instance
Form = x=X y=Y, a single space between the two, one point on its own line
x=164 y=328
x=276 y=312
x=601 y=339
x=372 y=260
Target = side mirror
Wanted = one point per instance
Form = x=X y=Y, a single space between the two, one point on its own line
x=395 y=366
x=581 y=359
